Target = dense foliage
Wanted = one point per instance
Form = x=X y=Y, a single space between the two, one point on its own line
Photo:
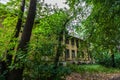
x=36 y=51
x=105 y=59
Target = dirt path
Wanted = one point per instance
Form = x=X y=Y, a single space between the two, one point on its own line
x=87 y=76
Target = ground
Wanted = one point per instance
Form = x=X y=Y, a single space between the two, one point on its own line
x=93 y=72
x=94 y=76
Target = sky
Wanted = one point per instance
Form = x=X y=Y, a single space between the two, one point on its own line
x=3 y=1
x=60 y=3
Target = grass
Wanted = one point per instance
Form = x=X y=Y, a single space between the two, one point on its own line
x=92 y=68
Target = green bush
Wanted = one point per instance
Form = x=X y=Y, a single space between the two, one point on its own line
x=117 y=60
x=92 y=69
x=2 y=77
x=46 y=72
x=106 y=60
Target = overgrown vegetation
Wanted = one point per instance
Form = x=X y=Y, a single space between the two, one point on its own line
x=30 y=40
x=93 y=68
x=105 y=60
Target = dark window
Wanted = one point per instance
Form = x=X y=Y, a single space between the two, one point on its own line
x=77 y=43
x=67 y=40
x=67 y=55
x=72 y=41
x=73 y=53
x=78 y=54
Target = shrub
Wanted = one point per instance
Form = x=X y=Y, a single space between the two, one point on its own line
x=92 y=69
x=45 y=72
x=106 y=60
x=117 y=60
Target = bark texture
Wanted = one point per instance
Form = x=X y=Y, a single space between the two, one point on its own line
x=16 y=74
x=4 y=64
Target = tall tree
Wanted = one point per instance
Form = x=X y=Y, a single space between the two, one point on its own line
x=104 y=19
x=4 y=65
x=17 y=30
x=72 y=13
x=20 y=16
x=16 y=73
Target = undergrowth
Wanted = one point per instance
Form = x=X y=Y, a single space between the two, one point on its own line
x=92 y=68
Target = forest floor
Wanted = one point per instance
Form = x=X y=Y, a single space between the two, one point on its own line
x=94 y=76
x=93 y=72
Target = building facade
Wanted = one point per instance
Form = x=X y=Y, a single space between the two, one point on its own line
x=72 y=50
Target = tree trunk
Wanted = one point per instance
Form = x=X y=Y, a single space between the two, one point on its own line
x=113 y=60
x=17 y=30
x=16 y=74
x=19 y=23
x=25 y=38
x=4 y=65
x=59 y=50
